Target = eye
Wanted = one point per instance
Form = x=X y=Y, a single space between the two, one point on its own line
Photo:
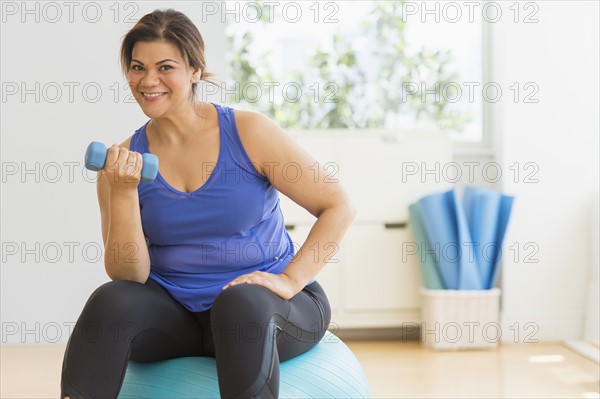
x=136 y=66
x=166 y=66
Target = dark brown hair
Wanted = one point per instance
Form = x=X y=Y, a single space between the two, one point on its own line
x=174 y=27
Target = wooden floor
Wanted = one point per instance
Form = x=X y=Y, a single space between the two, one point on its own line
x=394 y=369
x=408 y=370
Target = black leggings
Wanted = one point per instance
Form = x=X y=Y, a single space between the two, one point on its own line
x=249 y=329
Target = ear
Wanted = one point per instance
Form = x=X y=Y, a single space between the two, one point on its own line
x=196 y=76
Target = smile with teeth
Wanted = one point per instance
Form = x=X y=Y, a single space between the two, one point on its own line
x=152 y=94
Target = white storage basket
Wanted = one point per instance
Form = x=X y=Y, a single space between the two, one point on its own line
x=460 y=319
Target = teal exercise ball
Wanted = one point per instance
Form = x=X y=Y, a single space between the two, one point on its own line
x=329 y=370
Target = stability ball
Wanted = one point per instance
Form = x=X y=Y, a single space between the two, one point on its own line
x=329 y=370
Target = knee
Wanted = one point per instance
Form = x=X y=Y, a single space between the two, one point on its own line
x=242 y=302
x=114 y=298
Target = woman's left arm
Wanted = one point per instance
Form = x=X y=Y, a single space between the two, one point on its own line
x=270 y=149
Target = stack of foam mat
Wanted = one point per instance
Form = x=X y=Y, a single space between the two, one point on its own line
x=460 y=241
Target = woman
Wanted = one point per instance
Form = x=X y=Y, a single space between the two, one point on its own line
x=200 y=260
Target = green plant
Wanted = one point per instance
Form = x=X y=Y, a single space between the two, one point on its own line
x=337 y=91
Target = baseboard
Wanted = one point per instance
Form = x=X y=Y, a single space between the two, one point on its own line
x=584 y=348
x=378 y=334
x=513 y=329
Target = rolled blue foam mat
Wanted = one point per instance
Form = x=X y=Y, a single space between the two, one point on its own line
x=448 y=232
x=466 y=235
x=429 y=267
x=488 y=212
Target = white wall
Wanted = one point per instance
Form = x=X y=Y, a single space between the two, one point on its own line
x=50 y=215
x=560 y=135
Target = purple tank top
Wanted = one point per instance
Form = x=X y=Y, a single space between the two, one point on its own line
x=232 y=225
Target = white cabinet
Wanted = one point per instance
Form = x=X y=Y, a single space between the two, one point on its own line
x=373 y=256
x=373 y=281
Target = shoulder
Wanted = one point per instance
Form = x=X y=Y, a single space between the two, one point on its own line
x=250 y=121
x=254 y=127
x=260 y=136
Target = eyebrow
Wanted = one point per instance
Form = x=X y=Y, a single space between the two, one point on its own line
x=158 y=63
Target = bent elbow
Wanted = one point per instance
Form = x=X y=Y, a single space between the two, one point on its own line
x=124 y=273
x=351 y=207
x=349 y=212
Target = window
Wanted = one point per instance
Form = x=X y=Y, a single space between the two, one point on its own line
x=359 y=65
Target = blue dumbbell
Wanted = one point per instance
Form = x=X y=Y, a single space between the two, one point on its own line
x=95 y=158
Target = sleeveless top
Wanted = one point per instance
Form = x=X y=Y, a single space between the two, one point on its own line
x=231 y=225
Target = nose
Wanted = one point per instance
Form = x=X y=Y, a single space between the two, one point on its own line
x=149 y=79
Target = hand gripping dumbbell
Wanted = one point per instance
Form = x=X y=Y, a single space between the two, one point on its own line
x=95 y=158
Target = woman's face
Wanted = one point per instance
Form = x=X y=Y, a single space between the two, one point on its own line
x=160 y=79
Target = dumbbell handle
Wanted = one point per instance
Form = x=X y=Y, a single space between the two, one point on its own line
x=95 y=158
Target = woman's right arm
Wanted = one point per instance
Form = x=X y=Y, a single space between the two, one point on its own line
x=126 y=254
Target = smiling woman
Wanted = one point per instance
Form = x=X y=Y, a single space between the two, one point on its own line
x=181 y=32
x=200 y=259
x=166 y=79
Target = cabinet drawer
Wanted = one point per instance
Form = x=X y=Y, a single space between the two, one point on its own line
x=377 y=273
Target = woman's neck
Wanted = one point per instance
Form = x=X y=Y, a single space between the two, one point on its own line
x=180 y=129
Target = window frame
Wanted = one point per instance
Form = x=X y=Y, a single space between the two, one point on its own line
x=485 y=148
